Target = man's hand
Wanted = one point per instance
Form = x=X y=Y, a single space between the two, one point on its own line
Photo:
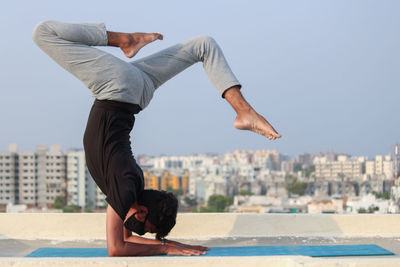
x=176 y=250
x=186 y=246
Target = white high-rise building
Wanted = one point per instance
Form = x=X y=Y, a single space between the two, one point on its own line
x=343 y=167
x=81 y=188
x=52 y=172
x=38 y=178
x=9 y=176
x=382 y=167
x=27 y=162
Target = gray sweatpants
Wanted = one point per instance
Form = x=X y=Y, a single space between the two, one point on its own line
x=110 y=78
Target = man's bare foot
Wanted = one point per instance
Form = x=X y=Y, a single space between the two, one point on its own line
x=135 y=41
x=254 y=122
x=131 y=43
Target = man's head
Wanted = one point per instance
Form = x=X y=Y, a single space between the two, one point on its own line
x=159 y=208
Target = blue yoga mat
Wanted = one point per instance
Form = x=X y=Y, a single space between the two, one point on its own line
x=313 y=251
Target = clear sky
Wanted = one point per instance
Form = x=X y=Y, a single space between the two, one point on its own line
x=326 y=74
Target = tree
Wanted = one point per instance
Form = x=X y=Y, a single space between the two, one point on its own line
x=191 y=202
x=245 y=193
x=296 y=187
x=362 y=210
x=90 y=204
x=289 y=178
x=59 y=203
x=309 y=170
x=384 y=195
x=176 y=192
x=372 y=209
x=297 y=167
x=72 y=208
x=217 y=203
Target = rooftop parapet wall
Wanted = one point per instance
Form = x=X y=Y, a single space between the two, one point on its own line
x=84 y=226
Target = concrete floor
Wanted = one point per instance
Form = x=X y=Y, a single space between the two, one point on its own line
x=20 y=247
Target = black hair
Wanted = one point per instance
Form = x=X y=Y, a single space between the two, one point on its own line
x=162 y=209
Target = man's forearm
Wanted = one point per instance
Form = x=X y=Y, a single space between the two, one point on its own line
x=135 y=249
x=142 y=240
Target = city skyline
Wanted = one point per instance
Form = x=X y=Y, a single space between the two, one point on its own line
x=268 y=181
x=324 y=74
x=19 y=150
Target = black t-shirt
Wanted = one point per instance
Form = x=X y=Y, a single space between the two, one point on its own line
x=108 y=153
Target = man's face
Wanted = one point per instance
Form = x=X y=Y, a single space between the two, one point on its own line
x=149 y=227
x=139 y=224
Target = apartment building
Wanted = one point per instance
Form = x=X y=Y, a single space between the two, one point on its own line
x=340 y=168
x=52 y=174
x=27 y=166
x=81 y=188
x=9 y=176
x=381 y=167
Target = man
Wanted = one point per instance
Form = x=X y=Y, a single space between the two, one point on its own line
x=122 y=89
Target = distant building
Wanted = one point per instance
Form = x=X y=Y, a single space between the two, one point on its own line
x=81 y=188
x=27 y=176
x=367 y=202
x=52 y=174
x=331 y=205
x=9 y=177
x=340 y=168
x=382 y=167
x=35 y=179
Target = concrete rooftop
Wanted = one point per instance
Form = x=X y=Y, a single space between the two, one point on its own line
x=23 y=233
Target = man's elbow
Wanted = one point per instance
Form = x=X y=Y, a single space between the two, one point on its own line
x=114 y=251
